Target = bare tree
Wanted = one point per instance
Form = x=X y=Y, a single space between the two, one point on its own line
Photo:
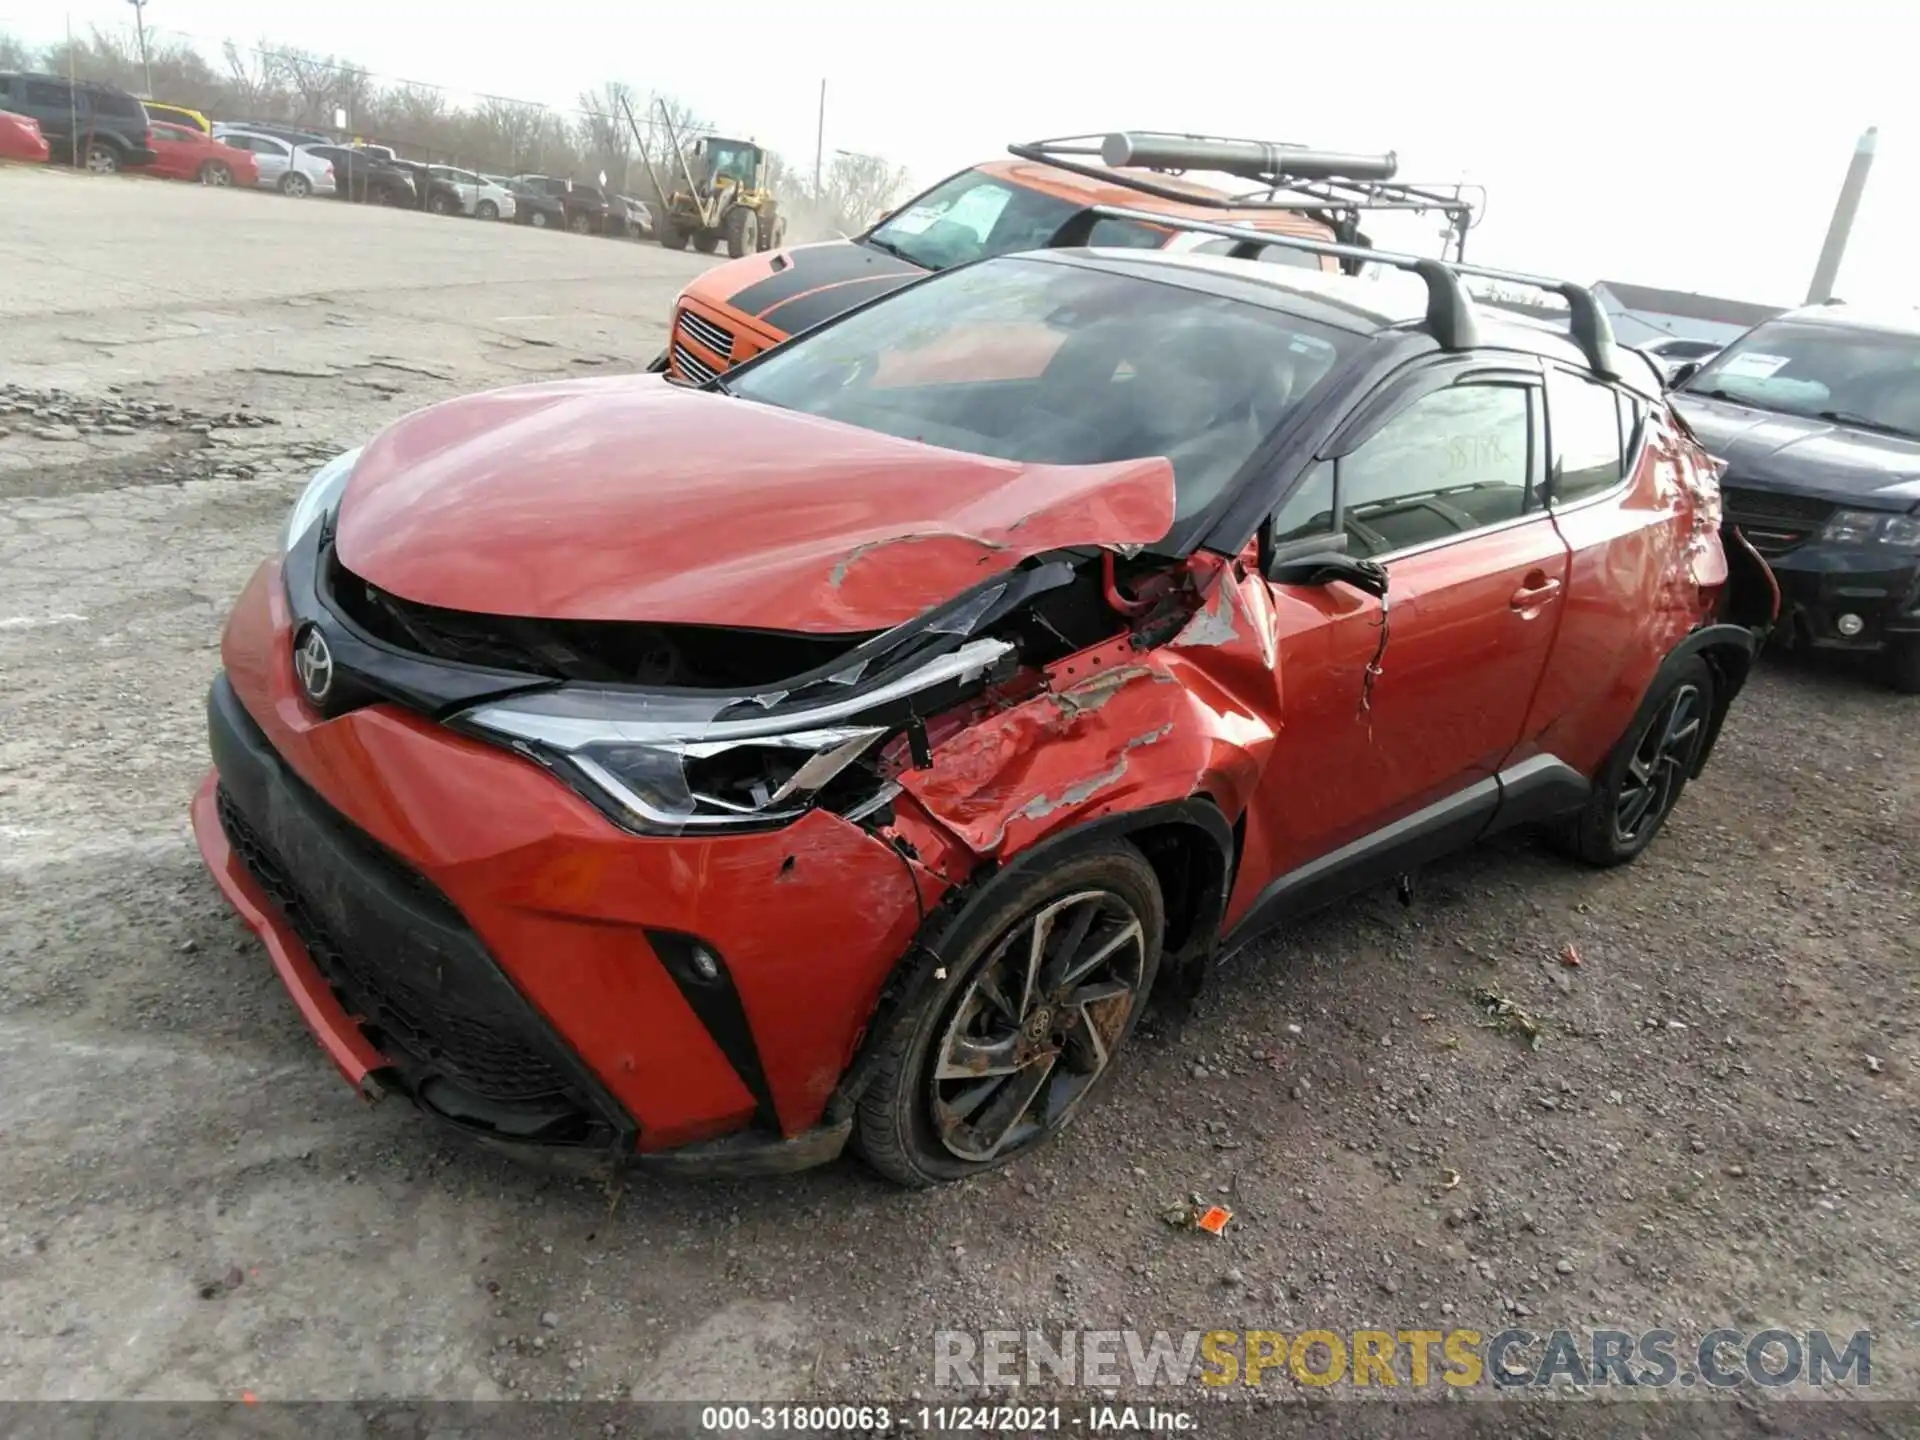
x=253 y=83
x=604 y=130
x=16 y=54
x=313 y=82
x=857 y=188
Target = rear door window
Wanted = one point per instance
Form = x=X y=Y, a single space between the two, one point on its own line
x=40 y=92
x=1584 y=429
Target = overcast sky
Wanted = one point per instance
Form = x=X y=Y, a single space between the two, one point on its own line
x=1688 y=144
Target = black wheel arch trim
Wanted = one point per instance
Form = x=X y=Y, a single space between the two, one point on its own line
x=918 y=967
x=1729 y=651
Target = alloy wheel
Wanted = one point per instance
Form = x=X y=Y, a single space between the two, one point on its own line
x=216 y=174
x=1660 y=765
x=102 y=160
x=1038 y=1025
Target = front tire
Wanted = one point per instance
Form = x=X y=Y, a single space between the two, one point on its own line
x=486 y=210
x=743 y=232
x=706 y=241
x=672 y=237
x=215 y=174
x=442 y=204
x=1042 y=987
x=295 y=185
x=1900 y=665
x=539 y=220
x=102 y=159
x=1645 y=776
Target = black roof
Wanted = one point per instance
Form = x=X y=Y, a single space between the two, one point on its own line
x=1686 y=305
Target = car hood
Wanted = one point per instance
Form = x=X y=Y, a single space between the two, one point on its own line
x=1767 y=450
x=630 y=498
x=795 y=289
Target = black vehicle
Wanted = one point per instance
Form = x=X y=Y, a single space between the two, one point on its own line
x=430 y=192
x=99 y=126
x=366 y=179
x=532 y=205
x=585 y=207
x=1817 y=416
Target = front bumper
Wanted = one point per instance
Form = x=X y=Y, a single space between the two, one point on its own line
x=1819 y=583
x=457 y=925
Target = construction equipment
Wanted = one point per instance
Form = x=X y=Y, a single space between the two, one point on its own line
x=715 y=189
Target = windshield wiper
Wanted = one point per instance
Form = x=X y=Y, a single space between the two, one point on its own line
x=889 y=247
x=1866 y=422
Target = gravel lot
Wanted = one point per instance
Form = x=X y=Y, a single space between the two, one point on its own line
x=1718 y=1126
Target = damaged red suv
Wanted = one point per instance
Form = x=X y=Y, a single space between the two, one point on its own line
x=840 y=752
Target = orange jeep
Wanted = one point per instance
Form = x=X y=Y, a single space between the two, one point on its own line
x=1044 y=198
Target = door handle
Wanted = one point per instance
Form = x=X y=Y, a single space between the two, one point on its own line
x=1529 y=596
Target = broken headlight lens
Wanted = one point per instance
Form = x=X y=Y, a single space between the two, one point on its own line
x=321 y=496
x=675 y=787
x=665 y=763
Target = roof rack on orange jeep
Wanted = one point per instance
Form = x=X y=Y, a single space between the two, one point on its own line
x=1450 y=318
x=1330 y=186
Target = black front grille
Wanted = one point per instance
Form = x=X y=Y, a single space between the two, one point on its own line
x=1773 y=522
x=428 y=1028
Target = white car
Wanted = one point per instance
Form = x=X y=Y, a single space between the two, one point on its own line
x=284 y=166
x=479 y=196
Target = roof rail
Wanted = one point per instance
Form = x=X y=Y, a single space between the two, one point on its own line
x=1451 y=318
x=1330 y=186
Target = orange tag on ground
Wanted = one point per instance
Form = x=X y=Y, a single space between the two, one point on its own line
x=1215 y=1219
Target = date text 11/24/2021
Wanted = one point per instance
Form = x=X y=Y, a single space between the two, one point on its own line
x=945 y=1419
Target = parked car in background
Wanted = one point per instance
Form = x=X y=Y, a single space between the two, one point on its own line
x=533 y=205
x=159 y=110
x=183 y=153
x=378 y=152
x=20 y=139
x=1077 y=657
x=1817 y=416
x=274 y=128
x=363 y=178
x=291 y=169
x=635 y=217
x=480 y=197
x=430 y=192
x=99 y=126
x=583 y=207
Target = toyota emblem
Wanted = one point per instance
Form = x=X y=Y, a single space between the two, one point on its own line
x=313 y=664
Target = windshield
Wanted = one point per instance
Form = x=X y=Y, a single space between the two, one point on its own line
x=726 y=158
x=1858 y=377
x=973 y=216
x=1045 y=362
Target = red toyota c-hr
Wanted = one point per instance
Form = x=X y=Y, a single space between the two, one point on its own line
x=840 y=751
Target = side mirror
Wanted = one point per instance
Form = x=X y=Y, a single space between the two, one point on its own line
x=1682 y=373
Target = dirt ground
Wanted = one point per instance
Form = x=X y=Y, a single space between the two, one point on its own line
x=1718 y=1126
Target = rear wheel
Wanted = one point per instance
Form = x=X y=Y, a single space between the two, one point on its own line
x=1901 y=664
x=102 y=159
x=1038 y=992
x=214 y=173
x=487 y=210
x=743 y=232
x=1644 y=777
x=706 y=241
x=539 y=219
x=580 y=224
x=295 y=184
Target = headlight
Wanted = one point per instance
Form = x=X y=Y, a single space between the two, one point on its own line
x=1862 y=527
x=665 y=764
x=321 y=495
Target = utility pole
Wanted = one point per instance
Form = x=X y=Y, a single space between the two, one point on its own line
x=1841 y=226
x=819 y=138
x=140 y=25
